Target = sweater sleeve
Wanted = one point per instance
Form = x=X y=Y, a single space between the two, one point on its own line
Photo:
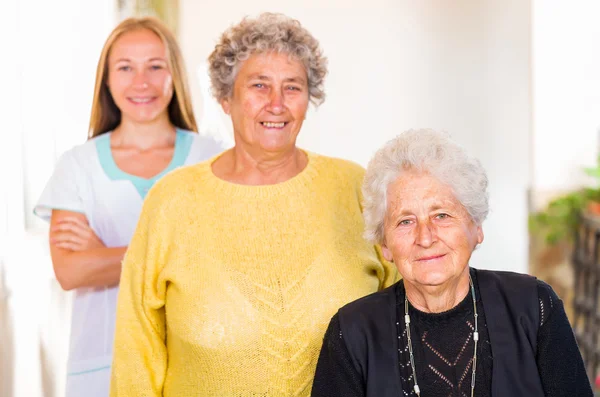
x=140 y=353
x=559 y=360
x=336 y=376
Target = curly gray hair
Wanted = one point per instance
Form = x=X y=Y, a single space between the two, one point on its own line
x=267 y=32
x=424 y=151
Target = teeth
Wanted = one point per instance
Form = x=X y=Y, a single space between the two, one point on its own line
x=141 y=100
x=273 y=125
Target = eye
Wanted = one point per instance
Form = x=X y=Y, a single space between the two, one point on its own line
x=442 y=216
x=124 y=68
x=156 y=67
x=404 y=222
x=294 y=88
x=258 y=85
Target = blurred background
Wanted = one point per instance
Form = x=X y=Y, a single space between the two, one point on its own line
x=517 y=82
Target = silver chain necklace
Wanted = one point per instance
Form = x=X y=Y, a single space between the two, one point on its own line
x=410 y=349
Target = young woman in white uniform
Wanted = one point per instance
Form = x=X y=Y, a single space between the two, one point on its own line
x=140 y=129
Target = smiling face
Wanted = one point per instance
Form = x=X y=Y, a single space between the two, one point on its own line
x=428 y=232
x=139 y=78
x=269 y=103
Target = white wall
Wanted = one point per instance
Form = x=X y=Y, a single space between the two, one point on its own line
x=566 y=92
x=461 y=66
x=50 y=50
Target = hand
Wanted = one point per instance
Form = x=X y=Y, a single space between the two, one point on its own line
x=74 y=234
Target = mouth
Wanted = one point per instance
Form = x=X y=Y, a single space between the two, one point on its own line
x=430 y=258
x=274 y=125
x=141 y=100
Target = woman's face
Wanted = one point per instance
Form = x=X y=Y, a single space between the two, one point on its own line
x=428 y=233
x=269 y=103
x=139 y=78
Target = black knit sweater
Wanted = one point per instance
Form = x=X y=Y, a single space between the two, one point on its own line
x=443 y=348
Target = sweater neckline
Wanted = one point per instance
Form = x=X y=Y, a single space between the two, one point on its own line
x=297 y=182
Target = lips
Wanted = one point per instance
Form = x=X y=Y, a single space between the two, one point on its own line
x=141 y=100
x=430 y=257
x=271 y=124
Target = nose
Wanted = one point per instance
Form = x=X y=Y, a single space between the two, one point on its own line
x=276 y=102
x=425 y=235
x=140 y=80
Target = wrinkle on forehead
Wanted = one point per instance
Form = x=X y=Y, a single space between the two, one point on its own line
x=421 y=191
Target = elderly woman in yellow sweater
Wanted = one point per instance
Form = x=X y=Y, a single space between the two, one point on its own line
x=238 y=263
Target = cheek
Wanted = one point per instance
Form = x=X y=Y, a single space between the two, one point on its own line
x=168 y=86
x=117 y=85
x=164 y=83
x=402 y=244
x=299 y=110
x=251 y=108
x=459 y=240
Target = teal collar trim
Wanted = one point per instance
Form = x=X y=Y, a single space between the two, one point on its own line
x=183 y=143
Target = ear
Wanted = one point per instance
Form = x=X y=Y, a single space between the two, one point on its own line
x=226 y=105
x=387 y=254
x=479 y=235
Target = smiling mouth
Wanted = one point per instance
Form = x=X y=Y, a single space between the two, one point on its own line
x=429 y=258
x=268 y=124
x=141 y=101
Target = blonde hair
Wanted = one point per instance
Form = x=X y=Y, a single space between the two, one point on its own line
x=106 y=116
x=267 y=32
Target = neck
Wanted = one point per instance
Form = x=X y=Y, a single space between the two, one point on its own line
x=158 y=133
x=263 y=168
x=439 y=298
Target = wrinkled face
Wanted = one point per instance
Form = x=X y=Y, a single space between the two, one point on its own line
x=139 y=78
x=269 y=102
x=428 y=233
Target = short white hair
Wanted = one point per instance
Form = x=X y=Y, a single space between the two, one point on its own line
x=426 y=151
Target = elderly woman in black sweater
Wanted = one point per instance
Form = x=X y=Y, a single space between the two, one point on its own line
x=446 y=329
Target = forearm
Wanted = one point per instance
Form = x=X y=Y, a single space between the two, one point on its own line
x=95 y=267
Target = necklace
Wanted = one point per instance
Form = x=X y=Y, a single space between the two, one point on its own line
x=410 y=349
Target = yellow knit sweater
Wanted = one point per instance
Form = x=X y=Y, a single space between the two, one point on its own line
x=227 y=289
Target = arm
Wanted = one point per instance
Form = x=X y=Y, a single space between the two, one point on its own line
x=140 y=351
x=336 y=376
x=79 y=258
x=559 y=361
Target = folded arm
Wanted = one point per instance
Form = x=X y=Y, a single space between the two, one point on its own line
x=79 y=257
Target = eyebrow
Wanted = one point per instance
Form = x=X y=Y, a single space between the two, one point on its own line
x=404 y=212
x=261 y=77
x=149 y=60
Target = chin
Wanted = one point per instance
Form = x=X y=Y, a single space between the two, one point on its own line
x=143 y=118
x=277 y=146
x=433 y=278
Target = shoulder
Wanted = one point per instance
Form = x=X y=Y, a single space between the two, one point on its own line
x=510 y=280
x=182 y=177
x=201 y=146
x=337 y=164
x=178 y=188
x=373 y=308
x=509 y=293
x=88 y=148
x=77 y=158
x=548 y=301
x=338 y=168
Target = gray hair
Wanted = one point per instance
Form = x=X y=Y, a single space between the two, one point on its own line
x=268 y=32
x=424 y=151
